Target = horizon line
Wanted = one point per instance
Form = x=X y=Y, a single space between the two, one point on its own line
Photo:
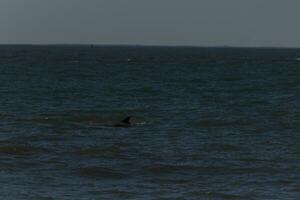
x=148 y=45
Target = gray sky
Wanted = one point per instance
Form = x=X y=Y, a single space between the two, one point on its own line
x=152 y=22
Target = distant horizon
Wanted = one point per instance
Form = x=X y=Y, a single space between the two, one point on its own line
x=148 y=45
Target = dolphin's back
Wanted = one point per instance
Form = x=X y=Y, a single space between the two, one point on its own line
x=124 y=123
x=126 y=120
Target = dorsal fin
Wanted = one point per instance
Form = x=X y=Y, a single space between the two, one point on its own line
x=126 y=120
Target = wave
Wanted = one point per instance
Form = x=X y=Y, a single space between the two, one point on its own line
x=164 y=169
x=211 y=123
x=215 y=195
x=112 y=151
x=101 y=172
x=117 y=193
x=169 y=168
x=21 y=150
x=224 y=147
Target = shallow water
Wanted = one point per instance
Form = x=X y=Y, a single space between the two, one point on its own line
x=209 y=123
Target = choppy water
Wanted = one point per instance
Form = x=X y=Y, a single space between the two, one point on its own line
x=210 y=123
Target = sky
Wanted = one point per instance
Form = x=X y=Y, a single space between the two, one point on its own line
x=151 y=22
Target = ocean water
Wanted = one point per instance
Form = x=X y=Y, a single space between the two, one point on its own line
x=208 y=123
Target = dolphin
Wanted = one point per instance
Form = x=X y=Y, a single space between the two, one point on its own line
x=124 y=123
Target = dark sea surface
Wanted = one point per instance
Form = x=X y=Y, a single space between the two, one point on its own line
x=208 y=123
